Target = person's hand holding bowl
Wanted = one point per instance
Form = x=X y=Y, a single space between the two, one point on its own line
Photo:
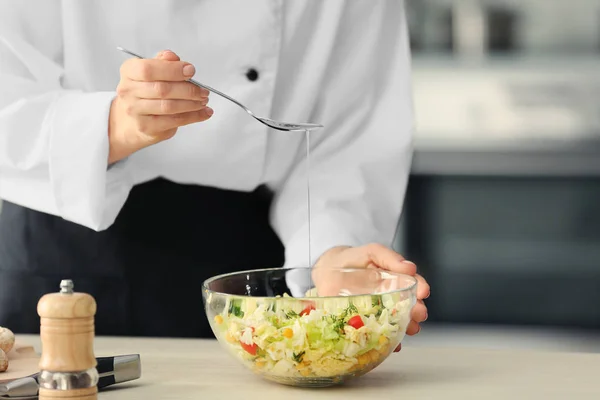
x=370 y=256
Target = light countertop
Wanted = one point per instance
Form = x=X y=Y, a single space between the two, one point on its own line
x=193 y=369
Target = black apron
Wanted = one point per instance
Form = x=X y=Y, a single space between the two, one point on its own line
x=146 y=271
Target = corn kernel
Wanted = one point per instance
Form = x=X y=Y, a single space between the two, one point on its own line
x=229 y=337
x=305 y=372
x=383 y=340
x=374 y=355
x=260 y=363
x=288 y=333
x=218 y=319
x=384 y=350
x=364 y=359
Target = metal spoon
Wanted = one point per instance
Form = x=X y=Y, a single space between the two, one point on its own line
x=282 y=126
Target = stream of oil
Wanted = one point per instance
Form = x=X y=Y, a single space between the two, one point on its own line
x=308 y=195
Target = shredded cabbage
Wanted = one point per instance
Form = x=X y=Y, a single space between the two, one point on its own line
x=326 y=337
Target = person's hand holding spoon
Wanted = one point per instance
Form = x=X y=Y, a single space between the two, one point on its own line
x=153 y=100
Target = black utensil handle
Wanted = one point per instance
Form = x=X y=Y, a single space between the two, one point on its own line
x=106 y=365
x=106 y=381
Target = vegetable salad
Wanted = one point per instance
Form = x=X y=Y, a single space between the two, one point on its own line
x=324 y=337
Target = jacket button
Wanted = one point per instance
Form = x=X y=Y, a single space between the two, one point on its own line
x=252 y=74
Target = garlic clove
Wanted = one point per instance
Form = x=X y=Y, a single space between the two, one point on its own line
x=7 y=339
x=3 y=361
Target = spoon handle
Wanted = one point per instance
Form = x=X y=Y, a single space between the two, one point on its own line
x=194 y=82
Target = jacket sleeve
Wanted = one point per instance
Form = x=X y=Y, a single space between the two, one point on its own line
x=360 y=161
x=53 y=140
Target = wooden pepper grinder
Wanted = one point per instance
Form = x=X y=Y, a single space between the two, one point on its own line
x=68 y=364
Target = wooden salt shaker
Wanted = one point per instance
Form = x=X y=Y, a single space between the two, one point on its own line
x=68 y=364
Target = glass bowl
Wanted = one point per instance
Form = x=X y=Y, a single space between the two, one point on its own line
x=310 y=327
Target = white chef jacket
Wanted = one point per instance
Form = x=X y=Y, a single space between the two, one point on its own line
x=344 y=64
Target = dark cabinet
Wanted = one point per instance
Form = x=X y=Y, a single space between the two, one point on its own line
x=509 y=250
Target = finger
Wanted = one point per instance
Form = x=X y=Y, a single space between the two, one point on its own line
x=164 y=107
x=163 y=90
x=413 y=328
x=423 y=288
x=331 y=282
x=149 y=70
x=386 y=258
x=167 y=55
x=373 y=255
x=419 y=312
x=398 y=348
x=160 y=123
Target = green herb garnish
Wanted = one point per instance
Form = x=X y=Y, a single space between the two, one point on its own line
x=235 y=308
x=298 y=357
x=376 y=301
x=351 y=309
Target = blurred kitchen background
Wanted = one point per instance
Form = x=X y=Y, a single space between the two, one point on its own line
x=503 y=207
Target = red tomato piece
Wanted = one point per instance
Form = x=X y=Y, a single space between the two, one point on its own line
x=250 y=348
x=307 y=309
x=356 y=322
